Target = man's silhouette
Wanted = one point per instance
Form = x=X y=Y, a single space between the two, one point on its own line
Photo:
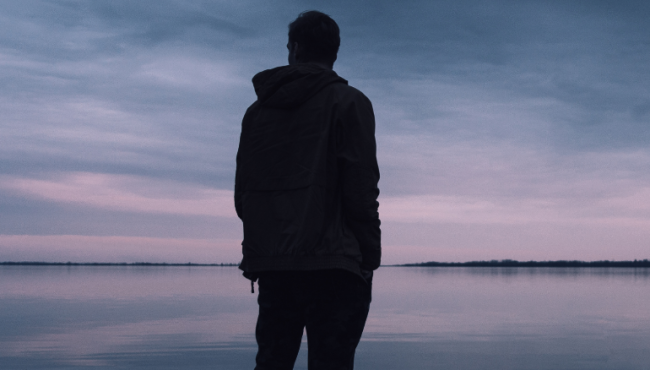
x=306 y=191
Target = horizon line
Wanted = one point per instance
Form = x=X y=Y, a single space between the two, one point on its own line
x=482 y=263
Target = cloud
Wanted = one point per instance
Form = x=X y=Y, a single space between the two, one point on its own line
x=631 y=210
x=492 y=167
x=126 y=193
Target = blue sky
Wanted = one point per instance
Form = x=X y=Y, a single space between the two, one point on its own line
x=505 y=129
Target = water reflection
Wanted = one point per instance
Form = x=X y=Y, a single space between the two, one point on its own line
x=421 y=318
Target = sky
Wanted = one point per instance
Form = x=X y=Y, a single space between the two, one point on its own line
x=505 y=129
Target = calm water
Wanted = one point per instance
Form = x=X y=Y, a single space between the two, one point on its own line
x=421 y=318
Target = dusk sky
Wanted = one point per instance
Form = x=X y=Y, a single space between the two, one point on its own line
x=505 y=129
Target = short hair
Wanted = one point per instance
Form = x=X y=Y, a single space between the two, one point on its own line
x=318 y=36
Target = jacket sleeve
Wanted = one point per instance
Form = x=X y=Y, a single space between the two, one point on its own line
x=359 y=175
x=239 y=162
x=238 y=196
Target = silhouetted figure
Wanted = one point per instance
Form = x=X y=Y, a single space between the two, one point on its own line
x=306 y=191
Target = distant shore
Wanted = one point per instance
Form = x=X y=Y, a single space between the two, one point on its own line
x=514 y=263
x=32 y=263
x=491 y=263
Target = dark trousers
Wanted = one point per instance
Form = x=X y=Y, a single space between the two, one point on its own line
x=331 y=304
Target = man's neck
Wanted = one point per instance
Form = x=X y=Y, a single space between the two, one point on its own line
x=326 y=66
x=320 y=64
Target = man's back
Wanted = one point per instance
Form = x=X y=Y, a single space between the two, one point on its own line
x=306 y=191
x=306 y=173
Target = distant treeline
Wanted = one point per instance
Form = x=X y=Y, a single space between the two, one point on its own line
x=514 y=263
x=28 y=263
x=491 y=263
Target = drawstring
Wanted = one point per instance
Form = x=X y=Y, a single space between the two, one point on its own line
x=253 y=278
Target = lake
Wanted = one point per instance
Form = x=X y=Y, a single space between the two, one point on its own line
x=179 y=317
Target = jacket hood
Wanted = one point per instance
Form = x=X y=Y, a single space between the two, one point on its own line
x=290 y=86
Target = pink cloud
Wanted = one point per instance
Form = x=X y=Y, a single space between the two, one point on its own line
x=126 y=193
x=629 y=209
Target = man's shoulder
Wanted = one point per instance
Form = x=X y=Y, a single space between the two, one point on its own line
x=349 y=93
x=347 y=89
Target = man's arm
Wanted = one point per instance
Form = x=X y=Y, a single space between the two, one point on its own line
x=238 y=204
x=359 y=172
x=239 y=186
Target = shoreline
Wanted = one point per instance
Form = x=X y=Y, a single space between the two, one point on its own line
x=513 y=263
x=645 y=263
x=138 y=264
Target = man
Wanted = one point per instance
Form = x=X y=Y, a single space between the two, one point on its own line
x=306 y=191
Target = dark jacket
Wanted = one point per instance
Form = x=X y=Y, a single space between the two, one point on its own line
x=306 y=182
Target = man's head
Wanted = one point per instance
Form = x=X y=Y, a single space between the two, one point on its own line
x=313 y=37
